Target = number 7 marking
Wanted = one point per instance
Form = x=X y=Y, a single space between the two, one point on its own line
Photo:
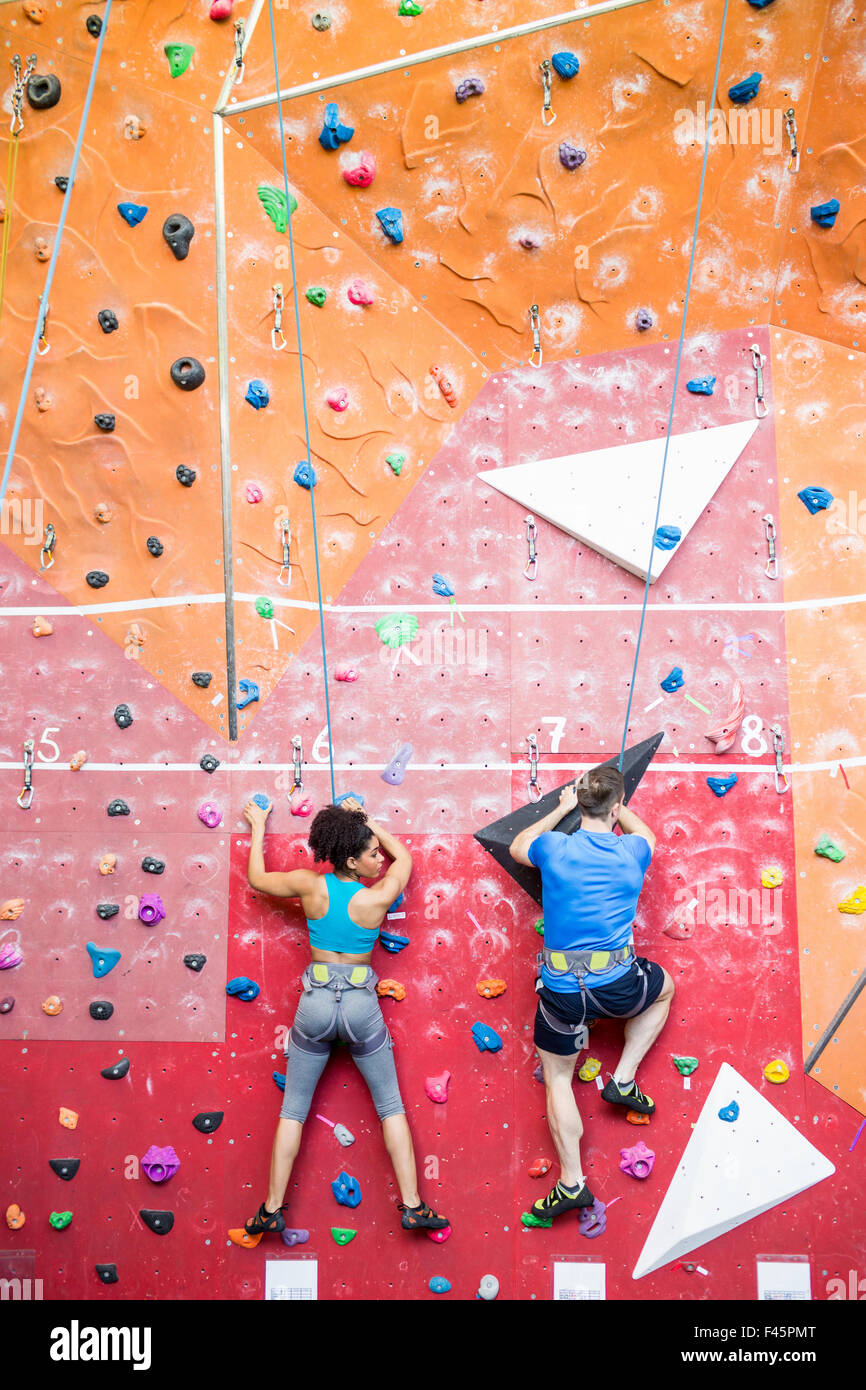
x=557 y=732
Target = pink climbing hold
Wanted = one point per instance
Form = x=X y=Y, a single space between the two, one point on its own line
x=10 y=956
x=338 y=400
x=436 y=1087
x=723 y=737
x=210 y=814
x=440 y=1236
x=300 y=804
x=345 y=673
x=637 y=1161
x=359 y=292
x=160 y=1164
x=362 y=174
x=221 y=9
x=680 y=931
x=253 y=492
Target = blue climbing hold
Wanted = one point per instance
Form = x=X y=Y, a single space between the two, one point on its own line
x=280 y=1078
x=673 y=681
x=257 y=394
x=262 y=801
x=304 y=475
x=744 y=91
x=392 y=942
x=102 y=959
x=398 y=902
x=486 y=1039
x=729 y=1112
x=133 y=213
x=720 y=785
x=701 y=386
x=347 y=1190
x=391 y=220
x=242 y=988
x=439 y=1285
x=815 y=499
x=250 y=694
x=566 y=64
x=333 y=134
x=442 y=587
x=667 y=537
x=760 y=4
x=825 y=213
x=344 y=796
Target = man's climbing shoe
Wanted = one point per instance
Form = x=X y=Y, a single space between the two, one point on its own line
x=631 y=1097
x=561 y=1200
x=421 y=1218
x=265 y=1220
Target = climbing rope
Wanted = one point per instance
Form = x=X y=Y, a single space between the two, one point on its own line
x=303 y=393
x=712 y=107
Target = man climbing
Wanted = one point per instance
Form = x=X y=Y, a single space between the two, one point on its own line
x=590 y=883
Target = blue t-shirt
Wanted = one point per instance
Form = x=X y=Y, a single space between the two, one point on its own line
x=590 y=884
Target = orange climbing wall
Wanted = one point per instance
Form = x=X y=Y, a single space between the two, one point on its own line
x=602 y=241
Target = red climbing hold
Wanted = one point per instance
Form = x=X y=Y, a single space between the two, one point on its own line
x=540 y=1167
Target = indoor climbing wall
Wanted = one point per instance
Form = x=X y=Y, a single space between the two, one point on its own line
x=336 y=455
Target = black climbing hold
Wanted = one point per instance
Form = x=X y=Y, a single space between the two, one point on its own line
x=105 y=422
x=97 y=579
x=117 y=1071
x=43 y=91
x=159 y=1221
x=208 y=1120
x=65 y=1168
x=152 y=866
x=107 y=320
x=7 y=1004
x=155 y=546
x=123 y=716
x=107 y=1273
x=101 y=1009
x=185 y=476
x=209 y=763
x=202 y=678
x=195 y=961
x=187 y=373
x=178 y=232
x=93 y=25
x=117 y=807
x=106 y=910
x=62 y=181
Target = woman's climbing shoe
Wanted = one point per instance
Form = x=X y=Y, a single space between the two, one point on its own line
x=265 y=1220
x=421 y=1217
x=630 y=1096
x=561 y=1200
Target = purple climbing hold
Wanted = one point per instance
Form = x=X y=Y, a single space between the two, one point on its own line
x=150 y=909
x=10 y=956
x=470 y=87
x=7 y=1004
x=293 y=1236
x=160 y=1164
x=643 y=320
x=592 y=1220
x=396 y=770
x=570 y=157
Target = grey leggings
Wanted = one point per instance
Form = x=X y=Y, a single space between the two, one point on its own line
x=359 y=1018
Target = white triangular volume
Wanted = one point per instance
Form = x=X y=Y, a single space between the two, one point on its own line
x=730 y=1172
x=607 y=498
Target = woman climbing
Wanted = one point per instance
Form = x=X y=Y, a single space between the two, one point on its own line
x=339 y=998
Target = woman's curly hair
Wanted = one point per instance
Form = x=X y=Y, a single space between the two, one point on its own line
x=337 y=835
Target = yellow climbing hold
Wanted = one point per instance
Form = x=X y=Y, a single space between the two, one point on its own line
x=776 y=1071
x=772 y=877
x=590 y=1069
x=855 y=902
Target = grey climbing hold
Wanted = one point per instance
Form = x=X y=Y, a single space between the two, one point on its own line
x=202 y=678
x=160 y=1222
x=209 y=763
x=97 y=579
x=93 y=25
x=117 y=1071
x=208 y=1120
x=62 y=182
x=195 y=961
x=106 y=910
x=321 y=21
x=105 y=422
x=65 y=1168
x=107 y=1273
x=153 y=866
x=107 y=320
x=118 y=807
x=43 y=91
x=101 y=1010
x=155 y=546
x=187 y=373
x=123 y=716
x=185 y=476
x=178 y=232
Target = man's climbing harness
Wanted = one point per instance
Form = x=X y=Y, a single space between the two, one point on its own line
x=534 y=789
x=278 y=341
x=25 y=796
x=583 y=963
x=778 y=750
x=772 y=570
x=535 y=325
x=530 y=569
x=547 y=116
x=757 y=363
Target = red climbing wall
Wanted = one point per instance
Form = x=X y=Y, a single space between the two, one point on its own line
x=757 y=979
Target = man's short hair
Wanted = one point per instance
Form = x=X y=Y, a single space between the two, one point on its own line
x=598 y=790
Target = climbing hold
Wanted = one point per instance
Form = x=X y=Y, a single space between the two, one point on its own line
x=77 y=761
x=491 y=989
x=37 y=13
x=445 y=386
x=134 y=128
x=52 y=1005
x=187 y=373
x=185 y=476
x=538 y=925
x=117 y=807
x=395 y=772
x=12 y=908
x=122 y=716
x=294 y=1236
x=442 y=587
x=437 y=1283
x=342 y=1235
x=825 y=214
x=701 y=385
x=238 y=1236
x=391 y=221
x=257 y=394
x=178 y=231
x=206 y=1121
x=469 y=87
x=220 y=9
x=729 y=1112
x=409 y=9
x=101 y=1010
x=68 y=1118
x=637 y=1161
x=776 y=1071
x=195 y=961
x=250 y=693
x=686 y=1065
x=60 y=1219
x=643 y=320
x=160 y=1222
x=667 y=537
x=772 y=877
x=395 y=462
x=316 y=295
x=566 y=64
x=344 y=1136
x=105 y=422
x=107 y=320
x=97 y=579
x=486 y=1039
x=208 y=763
x=107 y=1273
x=160 y=1164
x=15 y=1217
x=673 y=681
x=42 y=627
x=760 y=4
x=280 y=1079
x=333 y=134
x=155 y=546
x=202 y=679
x=570 y=157
x=261 y=801
x=107 y=910
x=744 y=91
x=243 y=988
x=720 y=785
x=439 y=1236
x=253 y=493
x=132 y=213
x=300 y=804
x=723 y=737
x=150 y=906
x=634 y=1118
x=815 y=499
x=7 y=1004
x=347 y=1190
x=529 y=1219
x=590 y=1069
x=855 y=902
x=41 y=249
x=65 y=1168
x=264 y=608
x=10 y=956
x=273 y=200
x=304 y=475
x=680 y=931
x=108 y=863
x=592 y=1220
x=539 y=1167
x=538 y=1074
x=356 y=796
x=103 y=959
x=827 y=848
x=338 y=400
x=391 y=989
x=116 y=1071
x=397 y=629
x=179 y=57
x=209 y=814
x=359 y=292
x=399 y=898
x=321 y=21
x=436 y=1087
x=345 y=673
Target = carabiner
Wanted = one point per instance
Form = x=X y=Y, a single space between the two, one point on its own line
x=25 y=796
x=239 y=51
x=535 y=325
x=277 y=330
x=534 y=789
x=778 y=750
x=297 y=761
x=791 y=132
x=546 y=79
x=772 y=570
x=42 y=338
x=46 y=555
x=757 y=362
x=286 y=542
x=530 y=569
x=17 y=124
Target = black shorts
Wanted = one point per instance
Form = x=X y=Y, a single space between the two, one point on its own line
x=618 y=999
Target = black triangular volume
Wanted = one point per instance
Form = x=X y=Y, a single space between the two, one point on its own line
x=159 y=1221
x=107 y=1273
x=208 y=1120
x=117 y=1071
x=65 y=1168
x=496 y=838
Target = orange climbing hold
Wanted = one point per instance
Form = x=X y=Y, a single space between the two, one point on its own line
x=15 y=1217
x=68 y=1118
x=42 y=627
x=491 y=989
x=52 y=1005
x=680 y=931
x=77 y=761
x=12 y=909
x=540 y=1167
x=108 y=863
x=444 y=386
x=391 y=989
x=238 y=1236
x=635 y=1119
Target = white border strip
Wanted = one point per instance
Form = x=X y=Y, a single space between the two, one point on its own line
x=674 y=767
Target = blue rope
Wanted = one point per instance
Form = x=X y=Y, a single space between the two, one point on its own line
x=40 y=322
x=303 y=393
x=712 y=107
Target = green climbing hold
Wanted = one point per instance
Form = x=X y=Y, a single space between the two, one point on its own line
x=60 y=1219
x=828 y=849
x=410 y=7
x=273 y=200
x=539 y=925
x=342 y=1235
x=528 y=1219
x=686 y=1065
x=397 y=629
x=179 y=57
x=264 y=608
x=395 y=462
x=317 y=295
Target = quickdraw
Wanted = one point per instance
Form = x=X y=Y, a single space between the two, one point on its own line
x=277 y=330
x=757 y=362
x=240 y=34
x=772 y=570
x=778 y=750
x=534 y=789
x=25 y=796
x=297 y=763
x=42 y=346
x=535 y=325
x=18 y=90
x=286 y=542
x=46 y=555
x=791 y=132
x=530 y=569
x=547 y=80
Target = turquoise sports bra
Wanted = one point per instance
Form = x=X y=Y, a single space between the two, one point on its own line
x=336 y=931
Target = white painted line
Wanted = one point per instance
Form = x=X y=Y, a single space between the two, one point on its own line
x=669 y=769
